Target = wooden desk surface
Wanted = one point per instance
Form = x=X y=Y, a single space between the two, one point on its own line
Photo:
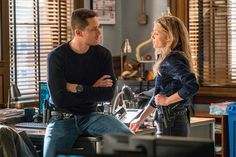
x=202 y=127
x=31 y=132
x=39 y=133
x=195 y=121
x=146 y=131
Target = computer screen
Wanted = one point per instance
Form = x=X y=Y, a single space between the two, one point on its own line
x=68 y=155
x=43 y=95
x=77 y=153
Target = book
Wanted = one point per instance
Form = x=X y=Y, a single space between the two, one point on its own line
x=219 y=108
x=10 y=112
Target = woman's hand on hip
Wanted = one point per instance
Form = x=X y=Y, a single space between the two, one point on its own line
x=161 y=100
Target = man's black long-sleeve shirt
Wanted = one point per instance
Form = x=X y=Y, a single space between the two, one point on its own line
x=65 y=65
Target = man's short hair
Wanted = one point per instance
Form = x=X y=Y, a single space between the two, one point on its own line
x=79 y=18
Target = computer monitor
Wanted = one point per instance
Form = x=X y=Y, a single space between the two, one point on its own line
x=114 y=142
x=172 y=146
x=119 y=145
x=43 y=95
x=77 y=153
x=152 y=146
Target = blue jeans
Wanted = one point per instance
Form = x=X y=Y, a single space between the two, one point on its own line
x=62 y=133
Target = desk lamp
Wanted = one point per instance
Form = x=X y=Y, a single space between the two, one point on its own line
x=125 y=48
x=13 y=94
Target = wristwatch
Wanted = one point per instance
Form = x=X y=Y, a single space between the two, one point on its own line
x=79 y=88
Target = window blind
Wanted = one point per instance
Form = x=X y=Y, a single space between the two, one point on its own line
x=212 y=32
x=36 y=27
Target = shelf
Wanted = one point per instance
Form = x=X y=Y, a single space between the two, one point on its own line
x=221 y=136
x=205 y=114
x=218 y=132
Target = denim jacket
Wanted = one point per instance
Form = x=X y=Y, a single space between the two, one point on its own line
x=175 y=76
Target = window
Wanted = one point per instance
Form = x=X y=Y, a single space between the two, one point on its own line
x=212 y=31
x=1 y=32
x=36 y=27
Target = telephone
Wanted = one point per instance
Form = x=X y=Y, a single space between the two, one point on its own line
x=127 y=115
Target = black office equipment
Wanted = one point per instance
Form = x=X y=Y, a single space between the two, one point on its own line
x=128 y=93
x=130 y=115
x=162 y=146
x=127 y=115
x=114 y=142
x=172 y=146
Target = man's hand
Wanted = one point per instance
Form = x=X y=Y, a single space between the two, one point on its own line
x=104 y=81
x=71 y=87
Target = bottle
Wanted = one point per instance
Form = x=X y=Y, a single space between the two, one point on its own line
x=107 y=108
x=46 y=112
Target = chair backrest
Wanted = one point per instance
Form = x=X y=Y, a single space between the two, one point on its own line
x=28 y=142
x=15 y=144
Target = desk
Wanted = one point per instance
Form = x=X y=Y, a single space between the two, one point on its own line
x=39 y=133
x=146 y=131
x=84 y=144
x=202 y=127
x=199 y=127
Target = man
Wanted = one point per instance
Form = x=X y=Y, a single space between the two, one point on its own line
x=80 y=73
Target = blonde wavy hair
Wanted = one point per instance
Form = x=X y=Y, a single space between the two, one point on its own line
x=178 y=40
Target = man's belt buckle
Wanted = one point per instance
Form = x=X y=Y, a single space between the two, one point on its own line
x=66 y=115
x=62 y=115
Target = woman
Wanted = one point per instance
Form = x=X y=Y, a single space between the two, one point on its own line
x=175 y=81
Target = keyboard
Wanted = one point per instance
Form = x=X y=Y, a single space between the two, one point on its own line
x=32 y=125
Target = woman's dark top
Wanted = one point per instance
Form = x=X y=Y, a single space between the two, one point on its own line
x=175 y=76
